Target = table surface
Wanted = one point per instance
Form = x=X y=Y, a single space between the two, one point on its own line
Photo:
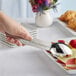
x=28 y=61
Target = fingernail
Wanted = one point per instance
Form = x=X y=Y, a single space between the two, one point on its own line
x=29 y=38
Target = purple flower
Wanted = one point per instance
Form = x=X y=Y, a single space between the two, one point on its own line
x=40 y=5
x=46 y=3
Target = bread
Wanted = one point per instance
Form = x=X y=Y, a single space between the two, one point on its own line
x=69 y=17
x=72 y=24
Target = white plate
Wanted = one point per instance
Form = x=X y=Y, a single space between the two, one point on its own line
x=64 y=25
x=60 y=66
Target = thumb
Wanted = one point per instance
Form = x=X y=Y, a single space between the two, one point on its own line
x=26 y=36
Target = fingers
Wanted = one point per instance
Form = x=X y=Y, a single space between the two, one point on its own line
x=23 y=33
x=14 y=41
x=20 y=36
x=26 y=36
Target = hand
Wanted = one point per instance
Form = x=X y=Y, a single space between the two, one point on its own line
x=13 y=30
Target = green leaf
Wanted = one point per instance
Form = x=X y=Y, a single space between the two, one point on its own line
x=55 y=1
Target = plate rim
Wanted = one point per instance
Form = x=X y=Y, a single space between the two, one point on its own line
x=64 y=25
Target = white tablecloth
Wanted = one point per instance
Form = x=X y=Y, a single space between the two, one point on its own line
x=28 y=61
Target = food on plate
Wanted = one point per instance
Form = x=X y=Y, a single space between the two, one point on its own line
x=69 y=17
x=68 y=62
x=72 y=43
x=60 y=49
x=72 y=24
x=61 y=41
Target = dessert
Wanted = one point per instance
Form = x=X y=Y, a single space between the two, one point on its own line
x=61 y=41
x=72 y=24
x=68 y=61
x=60 y=49
x=69 y=17
x=72 y=43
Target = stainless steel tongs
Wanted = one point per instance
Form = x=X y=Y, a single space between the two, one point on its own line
x=55 y=48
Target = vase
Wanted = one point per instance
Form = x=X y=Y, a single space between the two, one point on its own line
x=43 y=19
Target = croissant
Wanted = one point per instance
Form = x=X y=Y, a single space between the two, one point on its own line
x=72 y=24
x=68 y=15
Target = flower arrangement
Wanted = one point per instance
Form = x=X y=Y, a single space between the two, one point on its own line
x=40 y=5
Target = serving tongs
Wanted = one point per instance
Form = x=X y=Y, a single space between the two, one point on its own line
x=55 y=48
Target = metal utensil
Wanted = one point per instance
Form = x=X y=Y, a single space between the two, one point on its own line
x=56 y=48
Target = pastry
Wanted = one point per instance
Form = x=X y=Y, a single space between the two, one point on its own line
x=68 y=62
x=68 y=15
x=72 y=24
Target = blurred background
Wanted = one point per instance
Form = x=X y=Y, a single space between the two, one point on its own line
x=22 y=8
